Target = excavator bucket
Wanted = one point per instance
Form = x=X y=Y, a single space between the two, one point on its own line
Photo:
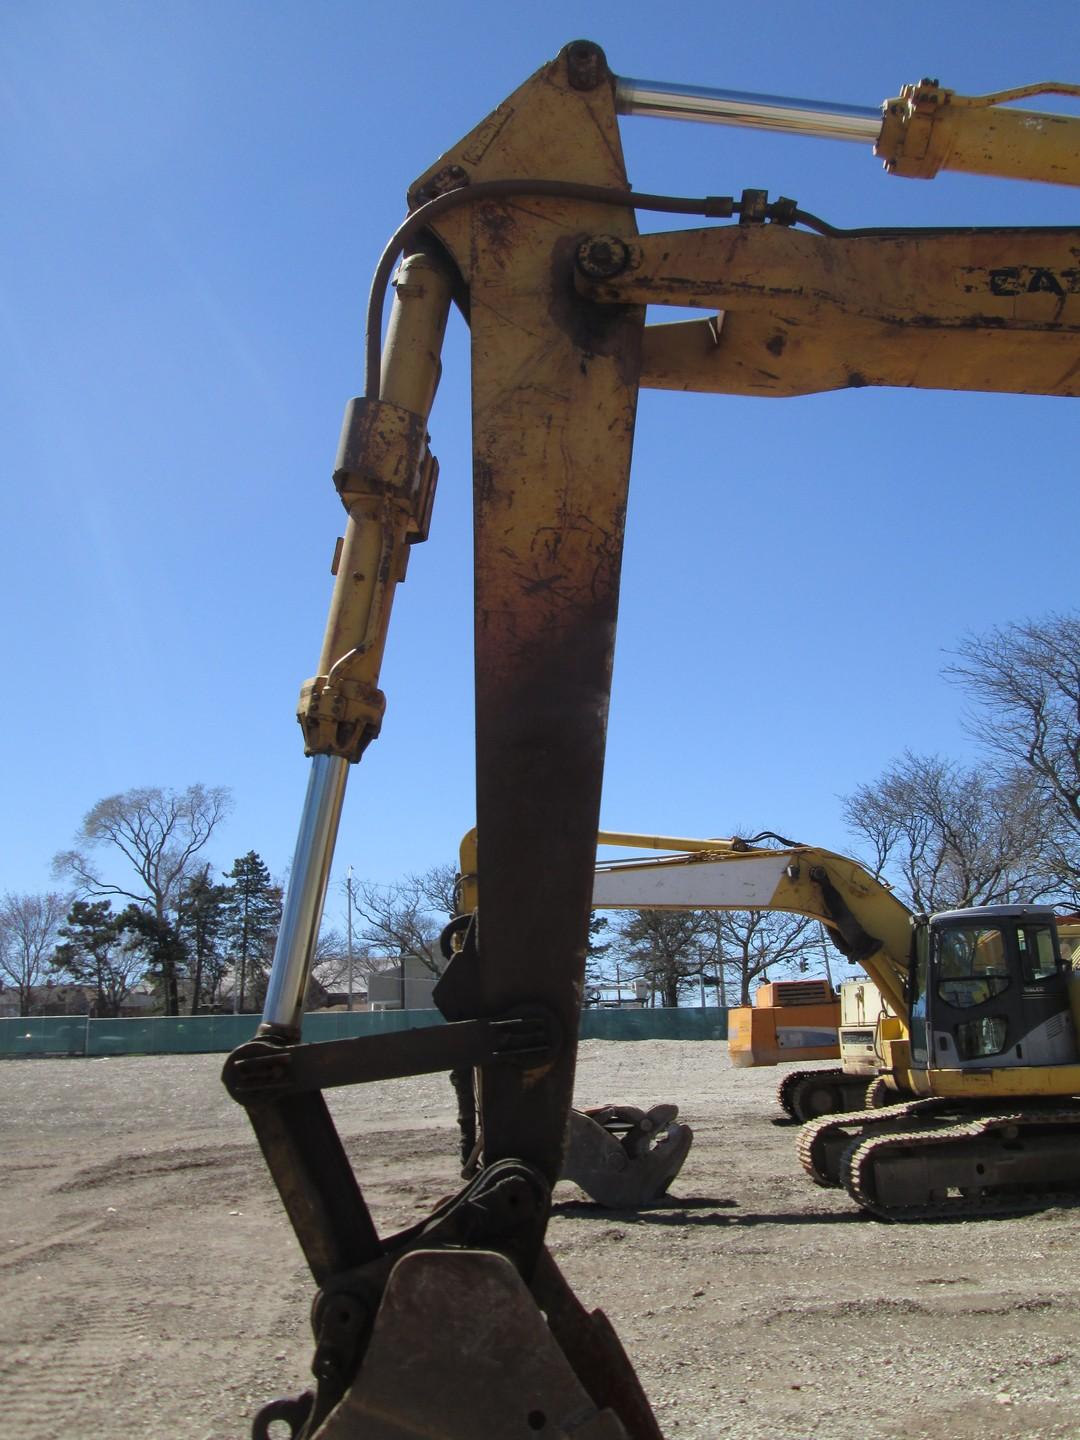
x=516 y=1383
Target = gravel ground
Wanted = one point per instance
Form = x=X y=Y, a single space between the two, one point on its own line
x=152 y=1286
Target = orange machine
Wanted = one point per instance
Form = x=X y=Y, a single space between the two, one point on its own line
x=789 y=1020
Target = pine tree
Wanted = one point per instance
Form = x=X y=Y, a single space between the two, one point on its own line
x=252 y=916
x=163 y=949
x=201 y=921
x=92 y=954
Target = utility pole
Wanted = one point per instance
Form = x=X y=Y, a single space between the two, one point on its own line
x=718 y=963
x=825 y=953
x=348 y=891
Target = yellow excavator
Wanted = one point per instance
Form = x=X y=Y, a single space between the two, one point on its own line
x=789 y=1020
x=966 y=1003
x=463 y=1324
x=979 y=1029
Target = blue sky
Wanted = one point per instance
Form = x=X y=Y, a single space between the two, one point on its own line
x=195 y=197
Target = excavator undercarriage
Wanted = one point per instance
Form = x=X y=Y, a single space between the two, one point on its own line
x=937 y=1159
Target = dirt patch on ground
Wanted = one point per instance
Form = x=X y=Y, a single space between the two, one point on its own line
x=153 y=1287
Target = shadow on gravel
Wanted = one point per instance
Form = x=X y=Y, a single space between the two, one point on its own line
x=673 y=1211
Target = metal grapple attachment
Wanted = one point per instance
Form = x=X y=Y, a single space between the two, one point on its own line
x=623 y=1157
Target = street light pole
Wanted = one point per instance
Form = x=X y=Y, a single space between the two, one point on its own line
x=348 y=891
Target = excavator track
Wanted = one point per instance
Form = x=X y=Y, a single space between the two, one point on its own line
x=806 y=1094
x=880 y=1095
x=823 y=1143
x=997 y=1163
x=785 y=1091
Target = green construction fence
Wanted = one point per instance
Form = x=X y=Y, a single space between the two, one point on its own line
x=208 y=1034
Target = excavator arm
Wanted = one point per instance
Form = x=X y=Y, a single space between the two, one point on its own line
x=867 y=922
x=529 y=225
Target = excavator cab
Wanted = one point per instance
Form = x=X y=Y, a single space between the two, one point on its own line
x=991 y=1063
x=989 y=990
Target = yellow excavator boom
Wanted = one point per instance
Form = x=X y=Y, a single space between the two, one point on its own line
x=530 y=224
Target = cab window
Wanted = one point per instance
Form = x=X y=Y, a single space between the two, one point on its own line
x=973 y=965
x=1038 y=953
x=917 y=995
x=976 y=1039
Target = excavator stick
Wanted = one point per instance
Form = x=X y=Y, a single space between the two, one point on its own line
x=554 y=395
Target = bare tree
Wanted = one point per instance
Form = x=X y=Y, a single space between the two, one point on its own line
x=403 y=921
x=950 y=836
x=667 y=948
x=1025 y=679
x=29 y=929
x=158 y=833
x=330 y=966
x=751 y=943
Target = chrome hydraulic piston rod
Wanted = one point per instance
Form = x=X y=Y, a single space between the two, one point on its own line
x=386 y=477
x=306 y=894
x=738 y=107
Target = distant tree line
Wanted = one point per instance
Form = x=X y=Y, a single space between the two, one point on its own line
x=146 y=911
x=1006 y=829
x=213 y=932
x=944 y=835
x=174 y=927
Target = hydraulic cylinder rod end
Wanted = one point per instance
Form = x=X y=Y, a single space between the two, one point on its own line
x=928 y=129
x=305 y=896
x=586 y=65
